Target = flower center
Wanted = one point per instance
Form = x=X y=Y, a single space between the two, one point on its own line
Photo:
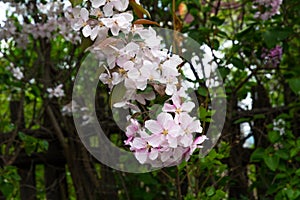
x=165 y=132
x=178 y=110
x=122 y=71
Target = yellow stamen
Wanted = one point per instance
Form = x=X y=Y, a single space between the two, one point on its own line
x=165 y=132
x=178 y=110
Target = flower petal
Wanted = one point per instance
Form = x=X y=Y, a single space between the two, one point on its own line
x=164 y=118
x=141 y=156
x=153 y=126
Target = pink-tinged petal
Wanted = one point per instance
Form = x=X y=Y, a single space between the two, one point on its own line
x=164 y=118
x=185 y=120
x=169 y=108
x=94 y=33
x=176 y=100
x=116 y=78
x=153 y=154
x=86 y=31
x=200 y=139
x=120 y=104
x=172 y=141
x=115 y=30
x=98 y=3
x=139 y=143
x=175 y=130
x=149 y=96
x=187 y=106
x=127 y=16
x=128 y=65
x=165 y=155
x=108 y=10
x=153 y=126
x=84 y=13
x=187 y=155
x=177 y=118
x=111 y=61
x=76 y=12
x=108 y=22
x=195 y=126
x=141 y=156
x=128 y=141
x=121 y=5
x=146 y=70
x=141 y=84
x=170 y=89
x=131 y=48
x=140 y=99
x=178 y=154
x=187 y=140
x=155 y=140
x=133 y=74
x=130 y=84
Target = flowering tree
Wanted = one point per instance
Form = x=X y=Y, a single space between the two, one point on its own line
x=254 y=45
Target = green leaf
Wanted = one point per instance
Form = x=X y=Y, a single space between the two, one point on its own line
x=259 y=116
x=275 y=35
x=242 y=120
x=43 y=145
x=244 y=32
x=215 y=44
x=274 y=136
x=297 y=172
x=238 y=63
x=224 y=71
x=281 y=176
x=282 y=153
x=290 y=193
x=210 y=191
x=217 y=21
x=272 y=161
x=6 y=189
x=294 y=84
x=294 y=152
x=257 y=155
x=203 y=91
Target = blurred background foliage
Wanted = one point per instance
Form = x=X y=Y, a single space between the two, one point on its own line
x=257 y=156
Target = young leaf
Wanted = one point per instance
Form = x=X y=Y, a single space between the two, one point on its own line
x=138 y=9
x=145 y=21
x=272 y=161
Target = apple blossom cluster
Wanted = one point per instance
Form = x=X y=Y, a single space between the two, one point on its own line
x=50 y=23
x=133 y=56
x=103 y=16
x=273 y=56
x=169 y=139
x=56 y=92
x=267 y=8
x=16 y=71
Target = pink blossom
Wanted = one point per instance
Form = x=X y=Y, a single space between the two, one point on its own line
x=189 y=125
x=17 y=73
x=56 y=92
x=164 y=128
x=119 y=22
x=120 y=5
x=178 y=105
x=197 y=143
x=97 y=3
x=271 y=8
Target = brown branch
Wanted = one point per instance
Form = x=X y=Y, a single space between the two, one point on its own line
x=56 y=127
x=251 y=113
